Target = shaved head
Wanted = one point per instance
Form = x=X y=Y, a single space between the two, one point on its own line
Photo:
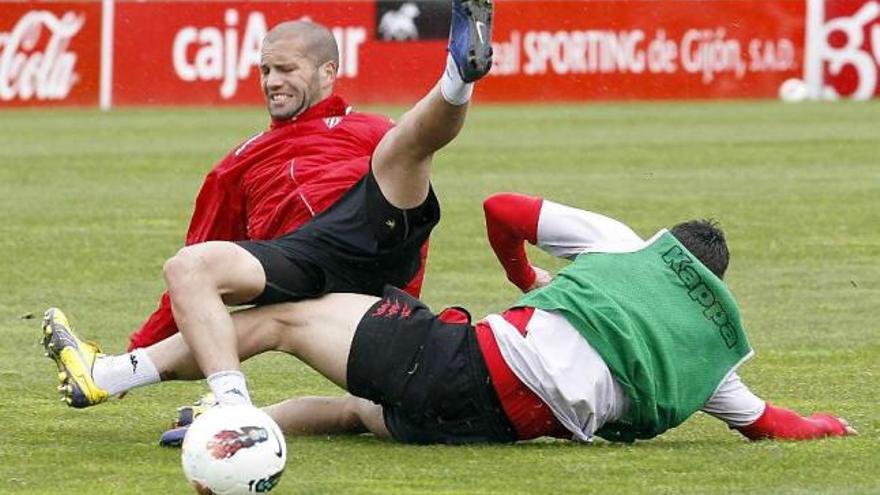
x=318 y=42
x=299 y=62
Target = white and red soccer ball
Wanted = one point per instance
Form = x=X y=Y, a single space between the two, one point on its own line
x=231 y=450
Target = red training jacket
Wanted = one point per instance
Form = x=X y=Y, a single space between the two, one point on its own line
x=275 y=182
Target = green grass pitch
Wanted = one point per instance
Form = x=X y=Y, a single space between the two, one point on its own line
x=93 y=203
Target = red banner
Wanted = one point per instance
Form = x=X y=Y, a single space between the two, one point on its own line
x=605 y=49
x=206 y=53
x=847 y=37
x=49 y=53
x=209 y=52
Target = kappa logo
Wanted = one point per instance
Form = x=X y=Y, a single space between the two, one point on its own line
x=134 y=363
x=393 y=308
x=681 y=264
x=235 y=391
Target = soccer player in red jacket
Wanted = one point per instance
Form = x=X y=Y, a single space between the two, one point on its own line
x=314 y=150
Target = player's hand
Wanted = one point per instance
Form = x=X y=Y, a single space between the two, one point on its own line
x=849 y=429
x=542 y=278
x=834 y=426
x=784 y=424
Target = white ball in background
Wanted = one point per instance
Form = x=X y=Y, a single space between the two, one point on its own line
x=793 y=90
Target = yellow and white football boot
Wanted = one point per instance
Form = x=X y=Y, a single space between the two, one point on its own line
x=75 y=360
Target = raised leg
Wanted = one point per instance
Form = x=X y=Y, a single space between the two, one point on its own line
x=402 y=160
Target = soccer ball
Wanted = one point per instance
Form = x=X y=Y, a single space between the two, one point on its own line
x=233 y=450
x=793 y=91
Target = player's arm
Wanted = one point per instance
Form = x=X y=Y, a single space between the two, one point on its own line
x=513 y=219
x=756 y=419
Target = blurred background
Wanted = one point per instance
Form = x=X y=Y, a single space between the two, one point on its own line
x=121 y=53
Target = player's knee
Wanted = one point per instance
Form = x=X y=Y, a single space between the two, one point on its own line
x=369 y=416
x=351 y=415
x=184 y=270
x=348 y=414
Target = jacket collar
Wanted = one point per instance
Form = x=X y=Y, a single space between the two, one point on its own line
x=332 y=106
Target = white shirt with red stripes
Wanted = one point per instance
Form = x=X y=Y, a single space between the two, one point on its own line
x=554 y=361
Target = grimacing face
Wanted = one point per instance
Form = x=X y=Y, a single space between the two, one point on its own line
x=290 y=78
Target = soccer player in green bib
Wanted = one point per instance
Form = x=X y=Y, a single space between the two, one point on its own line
x=629 y=340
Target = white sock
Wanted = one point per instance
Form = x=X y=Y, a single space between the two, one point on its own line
x=454 y=89
x=229 y=388
x=117 y=374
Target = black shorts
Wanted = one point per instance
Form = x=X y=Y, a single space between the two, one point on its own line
x=359 y=244
x=428 y=374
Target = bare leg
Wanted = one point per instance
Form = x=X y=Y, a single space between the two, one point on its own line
x=402 y=160
x=325 y=415
x=257 y=331
x=317 y=331
x=201 y=280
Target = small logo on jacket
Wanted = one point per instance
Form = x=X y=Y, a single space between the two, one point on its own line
x=332 y=122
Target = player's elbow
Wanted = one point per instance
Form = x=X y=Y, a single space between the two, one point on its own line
x=509 y=205
x=495 y=199
x=495 y=206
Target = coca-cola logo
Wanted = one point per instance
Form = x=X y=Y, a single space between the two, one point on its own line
x=34 y=61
